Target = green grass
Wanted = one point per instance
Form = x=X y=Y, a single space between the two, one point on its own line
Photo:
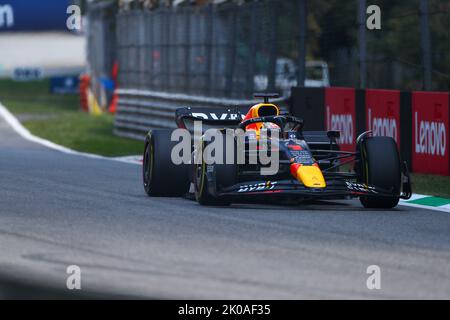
x=58 y=119
x=438 y=186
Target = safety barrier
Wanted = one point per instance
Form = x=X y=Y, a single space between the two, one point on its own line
x=141 y=110
x=418 y=121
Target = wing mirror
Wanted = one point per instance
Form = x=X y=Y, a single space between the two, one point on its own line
x=333 y=134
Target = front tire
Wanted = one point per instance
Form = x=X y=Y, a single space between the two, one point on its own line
x=225 y=175
x=380 y=167
x=202 y=194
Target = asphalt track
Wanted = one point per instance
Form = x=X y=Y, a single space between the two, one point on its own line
x=58 y=210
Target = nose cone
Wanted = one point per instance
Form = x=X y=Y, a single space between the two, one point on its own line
x=309 y=176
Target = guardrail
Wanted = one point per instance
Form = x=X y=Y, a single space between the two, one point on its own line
x=141 y=110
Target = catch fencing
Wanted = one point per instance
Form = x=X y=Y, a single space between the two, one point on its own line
x=208 y=51
x=231 y=50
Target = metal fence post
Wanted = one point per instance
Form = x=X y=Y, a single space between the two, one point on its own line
x=164 y=52
x=142 y=50
x=274 y=47
x=251 y=59
x=187 y=51
x=208 y=48
x=231 y=53
x=168 y=49
x=425 y=43
x=302 y=43
x=362 y=44
x=150 y=53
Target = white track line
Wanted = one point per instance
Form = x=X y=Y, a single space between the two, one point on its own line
x=27 y=135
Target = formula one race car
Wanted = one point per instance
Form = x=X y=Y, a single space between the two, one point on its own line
x=310 y=164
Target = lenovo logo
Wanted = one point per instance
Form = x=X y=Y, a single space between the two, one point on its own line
x=382 y=126
x=430 y=137
x=342 y=123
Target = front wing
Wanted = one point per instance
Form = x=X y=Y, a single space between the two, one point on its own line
x=292 y=188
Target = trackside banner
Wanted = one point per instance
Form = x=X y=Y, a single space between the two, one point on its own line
x=340 y=115
x=383 y=113
x=430 y=132
x=29 y=15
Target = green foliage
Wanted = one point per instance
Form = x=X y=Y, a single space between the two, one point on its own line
x=333 y=25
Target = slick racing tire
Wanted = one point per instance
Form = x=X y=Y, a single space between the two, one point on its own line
x=161 y=177
x=225 y=175
x=380 y=167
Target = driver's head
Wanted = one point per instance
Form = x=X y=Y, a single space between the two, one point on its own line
x=262 y=110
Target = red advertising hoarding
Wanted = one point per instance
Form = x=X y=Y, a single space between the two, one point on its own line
x=340 y=115
x=383 y=113
x=430 y=132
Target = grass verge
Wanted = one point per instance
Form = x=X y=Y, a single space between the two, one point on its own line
x=57 y=118
x=438 y=186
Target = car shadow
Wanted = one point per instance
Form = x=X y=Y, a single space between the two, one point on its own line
x=316 y=205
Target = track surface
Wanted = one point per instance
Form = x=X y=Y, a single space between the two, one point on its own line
x=57 y=210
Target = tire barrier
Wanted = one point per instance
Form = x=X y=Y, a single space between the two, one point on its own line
x=418 y=121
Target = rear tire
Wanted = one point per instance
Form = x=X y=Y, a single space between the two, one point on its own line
x=161 y=177
x=380 y=167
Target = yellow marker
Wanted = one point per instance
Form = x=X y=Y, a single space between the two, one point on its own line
x=93 y=105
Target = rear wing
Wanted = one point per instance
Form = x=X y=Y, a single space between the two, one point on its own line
x=212 y=116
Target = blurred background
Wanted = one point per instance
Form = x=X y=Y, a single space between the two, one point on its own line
x=35 y=41
x=96 y=75
x=231 y=48
x=133 y=62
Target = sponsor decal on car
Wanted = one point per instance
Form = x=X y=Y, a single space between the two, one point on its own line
x=215 y=116
x=358 y=187
x=263 y=186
